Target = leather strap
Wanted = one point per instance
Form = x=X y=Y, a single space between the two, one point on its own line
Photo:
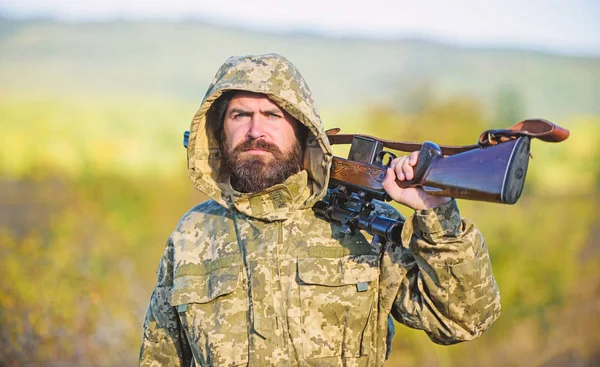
x=535 y=128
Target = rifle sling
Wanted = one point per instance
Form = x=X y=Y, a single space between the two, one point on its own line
x=535 y=128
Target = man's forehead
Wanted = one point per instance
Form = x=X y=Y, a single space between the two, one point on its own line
x=241 y=97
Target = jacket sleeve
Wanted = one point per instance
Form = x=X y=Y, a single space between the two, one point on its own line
x=164 y=342
x=448 y=290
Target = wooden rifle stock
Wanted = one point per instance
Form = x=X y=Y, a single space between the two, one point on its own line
x=492 y=170
x=494 y=174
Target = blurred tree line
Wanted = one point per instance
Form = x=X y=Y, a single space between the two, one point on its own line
x=79 y=246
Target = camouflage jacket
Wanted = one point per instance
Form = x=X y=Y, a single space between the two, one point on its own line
x=257 y=279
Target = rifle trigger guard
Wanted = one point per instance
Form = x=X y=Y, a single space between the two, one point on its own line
x=382 y=155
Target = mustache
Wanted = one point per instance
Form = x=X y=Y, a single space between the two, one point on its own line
x=257 y=144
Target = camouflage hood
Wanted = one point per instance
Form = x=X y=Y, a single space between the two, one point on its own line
x=273 y=75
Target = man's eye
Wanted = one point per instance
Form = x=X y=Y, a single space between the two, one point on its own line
x=275 y=115
x=238 y=116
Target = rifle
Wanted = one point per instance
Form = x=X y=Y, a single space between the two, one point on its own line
x=492 y=170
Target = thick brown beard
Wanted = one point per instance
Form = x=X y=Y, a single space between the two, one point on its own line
x=256 y=173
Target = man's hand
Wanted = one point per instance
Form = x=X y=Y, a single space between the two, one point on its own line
x=402 y=169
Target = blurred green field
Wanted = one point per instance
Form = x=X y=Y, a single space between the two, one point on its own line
x=87 y=206
x=91 y=185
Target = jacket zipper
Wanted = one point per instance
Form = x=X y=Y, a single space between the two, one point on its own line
x=281 y=319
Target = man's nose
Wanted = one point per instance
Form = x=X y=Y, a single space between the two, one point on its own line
x=257 y=126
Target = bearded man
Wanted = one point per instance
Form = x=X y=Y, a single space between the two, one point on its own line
x=253 y=277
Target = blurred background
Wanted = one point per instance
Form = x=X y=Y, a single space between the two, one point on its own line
x=95 y=96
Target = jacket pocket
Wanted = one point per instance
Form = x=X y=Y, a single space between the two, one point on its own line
x=213 y=308
x=337 y=296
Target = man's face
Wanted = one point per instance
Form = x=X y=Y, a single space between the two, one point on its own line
x=260 y=142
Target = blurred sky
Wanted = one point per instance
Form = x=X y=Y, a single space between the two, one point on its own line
x=549 y=25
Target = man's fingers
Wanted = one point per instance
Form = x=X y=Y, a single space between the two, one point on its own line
x=393 y=163
x=398 y=170
x=407 y=169
x=413 y=158
x=403 y=167
x=390 y=178
x=390 y=186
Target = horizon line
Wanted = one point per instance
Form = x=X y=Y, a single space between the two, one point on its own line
x=344 y=35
